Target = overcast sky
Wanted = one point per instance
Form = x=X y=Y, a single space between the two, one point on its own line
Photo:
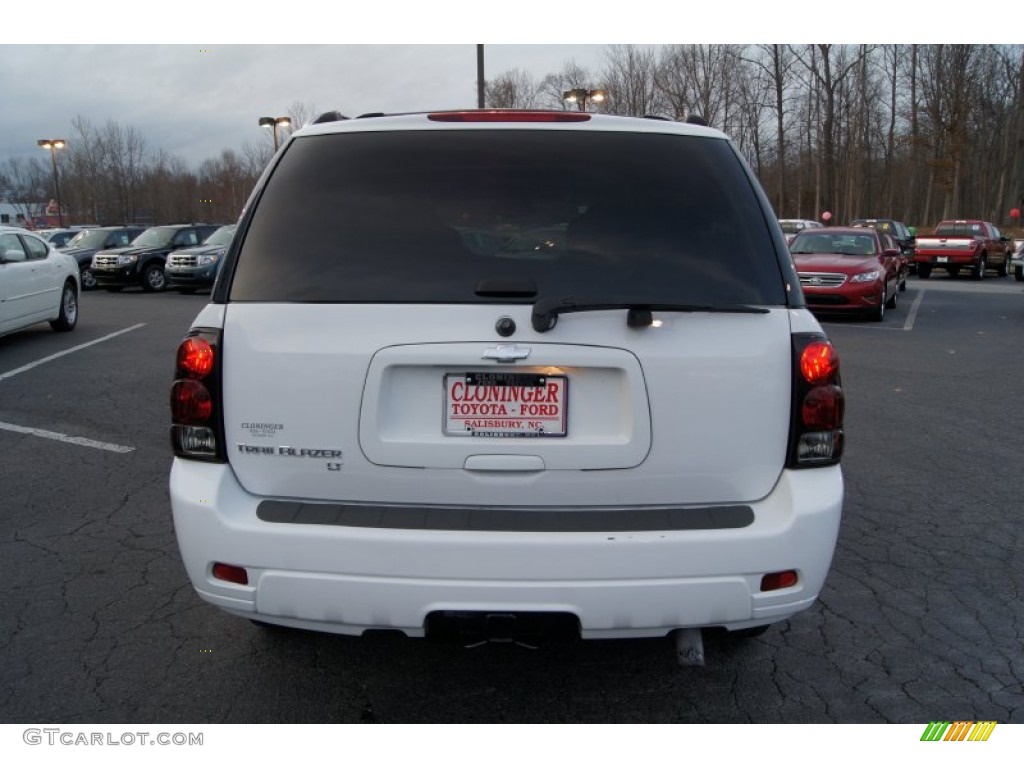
x=195 y=101
x=192 y=97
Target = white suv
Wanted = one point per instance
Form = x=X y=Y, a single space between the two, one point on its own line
x=482 y=369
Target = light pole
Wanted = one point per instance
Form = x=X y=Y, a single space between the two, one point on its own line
x=273 y=123
x=53 y=145
x=580 y=96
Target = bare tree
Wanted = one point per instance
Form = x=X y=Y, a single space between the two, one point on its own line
x=893 y=57
x=124 y=153
x=256 y=155
x=699 y=79
x=630 y=77
x=1017 y=183
x=948 y=90
x=828 y=69
x=25 y=184
x=554 y=86
x=224 y=184
x=751 y=115
x=87 y=177
x=514 y=89
x=302 y=114
x=776 y=62
x=907 y=131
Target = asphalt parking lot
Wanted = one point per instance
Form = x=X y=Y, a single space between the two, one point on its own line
x=920 y=620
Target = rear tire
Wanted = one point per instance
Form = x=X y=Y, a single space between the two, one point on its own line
x=978 y=273
x=924 y=271
x=891 y=303
x=68 y=317
x=1018 y=273
x=1004 y=268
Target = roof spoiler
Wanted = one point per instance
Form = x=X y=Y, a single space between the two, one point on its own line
x=329 y=117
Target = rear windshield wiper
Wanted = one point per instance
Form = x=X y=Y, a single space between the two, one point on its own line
x=546 y=311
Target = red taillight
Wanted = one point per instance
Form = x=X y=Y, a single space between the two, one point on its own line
x=819 y=362
x=779 y=580
x=816 y=422
x=191 y=402
x=508 y=116
x=233 y=573
x=823 y=408
x=197 y=429
x=195 y=357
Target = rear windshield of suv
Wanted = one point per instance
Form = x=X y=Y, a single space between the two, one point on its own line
x=481 y=215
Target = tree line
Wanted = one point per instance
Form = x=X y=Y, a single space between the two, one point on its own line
x=109 y=174
x=915 y=132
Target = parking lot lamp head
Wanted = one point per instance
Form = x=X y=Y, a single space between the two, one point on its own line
x=53 y=145
x=580 y=97
x=273 y=123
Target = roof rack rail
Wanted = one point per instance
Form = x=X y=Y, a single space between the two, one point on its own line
x=370 y=114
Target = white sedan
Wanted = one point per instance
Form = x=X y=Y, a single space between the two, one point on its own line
x=37 y=283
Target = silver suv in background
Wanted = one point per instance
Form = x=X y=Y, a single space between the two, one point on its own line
x=793 y=227
x=390 y=416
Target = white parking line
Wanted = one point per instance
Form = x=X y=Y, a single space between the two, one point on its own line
x=912 y=314
x=84 y=441
x=908 y=324
x=30 y=366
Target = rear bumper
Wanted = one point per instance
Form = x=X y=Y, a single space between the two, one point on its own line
x=946 y=259
x=347 y=579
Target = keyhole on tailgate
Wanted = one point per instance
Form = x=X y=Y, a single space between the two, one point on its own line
x=505 y=326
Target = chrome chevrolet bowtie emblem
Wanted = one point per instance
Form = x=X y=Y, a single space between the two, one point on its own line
x=506 y=353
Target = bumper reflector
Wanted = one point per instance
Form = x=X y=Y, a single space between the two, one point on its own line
x=780 y=580
x=233 y=573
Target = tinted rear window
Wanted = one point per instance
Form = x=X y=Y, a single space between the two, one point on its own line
x=958 y=230
x=430 y=216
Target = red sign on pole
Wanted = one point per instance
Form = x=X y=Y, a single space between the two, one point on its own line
x=826 y=216
x=1015 y=213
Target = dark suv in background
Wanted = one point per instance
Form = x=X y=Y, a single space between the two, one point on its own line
x=899 y=231
x=87 y=242
x=142 y=262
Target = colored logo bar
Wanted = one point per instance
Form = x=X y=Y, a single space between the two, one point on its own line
x=960 y=730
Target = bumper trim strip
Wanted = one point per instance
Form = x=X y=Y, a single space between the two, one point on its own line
x=532 y=519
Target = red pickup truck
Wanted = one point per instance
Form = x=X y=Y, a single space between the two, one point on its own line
x=956 y=244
